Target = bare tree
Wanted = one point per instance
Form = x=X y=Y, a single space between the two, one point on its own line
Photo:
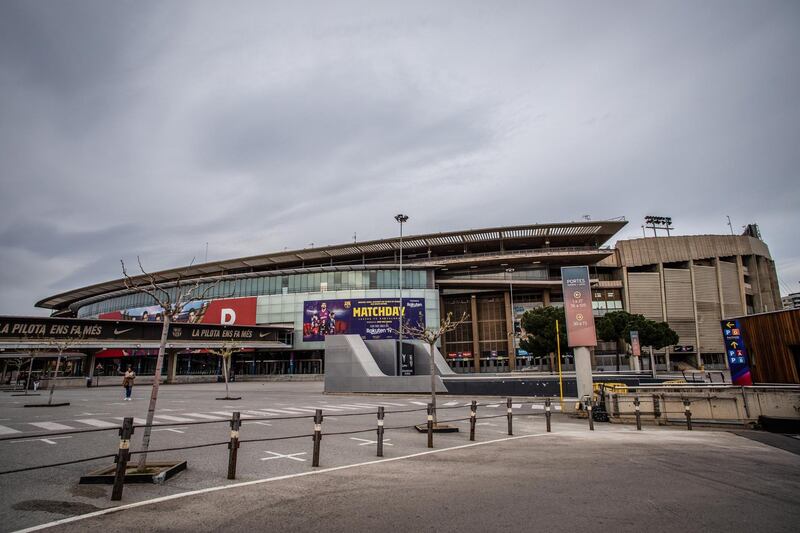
x=430 y=336
x=61 y=346
x=225 y=352
x=172 y=303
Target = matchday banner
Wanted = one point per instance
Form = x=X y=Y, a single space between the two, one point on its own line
x=578 y=306
x=372 y=318
x=736 y=353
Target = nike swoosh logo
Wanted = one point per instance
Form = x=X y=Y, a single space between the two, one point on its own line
x=262 y=335
x=121 y=331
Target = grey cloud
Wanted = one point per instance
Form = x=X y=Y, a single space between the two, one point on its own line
x=151 y=128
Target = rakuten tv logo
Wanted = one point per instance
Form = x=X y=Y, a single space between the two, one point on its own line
x=239 y=311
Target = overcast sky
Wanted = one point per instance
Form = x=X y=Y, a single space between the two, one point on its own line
x=151 y=128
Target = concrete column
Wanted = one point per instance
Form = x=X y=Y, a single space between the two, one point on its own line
x=90 y=362
x=512 y=352
x=718 y=271
x=740 y=274
x=583 y=371
x=626 y=295
x=476 y=353
x=442 y=316
x=546 y=297
x=694 y=310
x=758 y=299
x=172 y=365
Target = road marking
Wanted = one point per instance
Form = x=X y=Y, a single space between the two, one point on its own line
x=137 y=421
x=173 y=418
x=50 y=440
x=484 y=424
x=8 y=431
x=270 y=480
x=448 y=404
x=494 y=405
x=51 y=426
x=97 y=423
x=364 y=442
x=201 y=415
x=419 y=403
x=173 y=430
x=94 y=414
x=278 y=411
x=393 y=404
x=340 y=407
x=301 y=410
x=229 y=414
x=323 y=407
x=261 y=423
x=292 y=456
x=516 y=405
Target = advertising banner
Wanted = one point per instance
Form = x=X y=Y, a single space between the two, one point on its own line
x=372 y=318
x=635 y=346
x=578 y=306
x=227 y=311
x=736 y=352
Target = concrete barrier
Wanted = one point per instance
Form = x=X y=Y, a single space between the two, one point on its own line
x=729 y=405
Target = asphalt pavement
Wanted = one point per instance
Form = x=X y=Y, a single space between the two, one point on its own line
x=615 y=477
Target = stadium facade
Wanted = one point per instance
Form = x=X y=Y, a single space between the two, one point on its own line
x=493 y=275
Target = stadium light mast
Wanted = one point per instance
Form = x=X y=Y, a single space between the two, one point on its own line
x=402 y=219
x=655 y=223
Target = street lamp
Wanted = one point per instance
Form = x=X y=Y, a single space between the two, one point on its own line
x=401 y=218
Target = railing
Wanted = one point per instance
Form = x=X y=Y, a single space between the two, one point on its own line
x=123 y=453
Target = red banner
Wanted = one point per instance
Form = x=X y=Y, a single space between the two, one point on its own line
x=239 y=311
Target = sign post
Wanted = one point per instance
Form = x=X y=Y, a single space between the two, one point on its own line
x=736 y=353
x=636 y=352
x=580 y=323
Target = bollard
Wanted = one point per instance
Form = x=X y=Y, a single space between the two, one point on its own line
x=510 y=417
x=233 y=445
x=688 y=411
x=317 y=437
x=590 y=408
x=638 y=413
x=473 y=411
x=122 y=457
x=380 y=431
x=547 y=412
x=430 y=425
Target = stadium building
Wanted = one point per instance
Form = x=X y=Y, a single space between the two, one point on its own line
x=493 y=275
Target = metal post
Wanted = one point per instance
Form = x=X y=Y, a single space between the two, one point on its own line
x=317 y=436
x=547 y=412
x=380 y=431
x=233 y=445
x=122 y=457
x=430 y=425
x=688 y=411
x=473 y=411
x=401 y=218
x=638 y=413
x=589 y=406
x=509 y=415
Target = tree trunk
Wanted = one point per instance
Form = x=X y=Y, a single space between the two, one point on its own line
x=151 y=409
x=433 y=383
x=225 y=375
x=28 y=378
x=53 y=384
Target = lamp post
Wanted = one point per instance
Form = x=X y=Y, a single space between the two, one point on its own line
x=401 y=218
x=510 y=271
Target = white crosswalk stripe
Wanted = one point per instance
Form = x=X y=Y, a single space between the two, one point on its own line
x=448 y=404
x=8 y=431
x=340 y=407
x=228 y=414
x=296 y=410
x=516 y=405
x=393 y=404
x=419 y=403
x=203 y=416
x=51 y=426
x=97 y=423
x=173 y=418
x=326 y=407
x=279 y=411
x=137 y=421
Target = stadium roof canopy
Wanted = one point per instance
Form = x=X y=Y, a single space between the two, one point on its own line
x=584 y=234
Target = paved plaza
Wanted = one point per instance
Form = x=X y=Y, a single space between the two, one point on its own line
x=615 y=477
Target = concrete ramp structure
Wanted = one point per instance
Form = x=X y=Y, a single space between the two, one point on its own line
x=355 y=365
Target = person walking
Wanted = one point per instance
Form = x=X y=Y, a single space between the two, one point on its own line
x=127 y=382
